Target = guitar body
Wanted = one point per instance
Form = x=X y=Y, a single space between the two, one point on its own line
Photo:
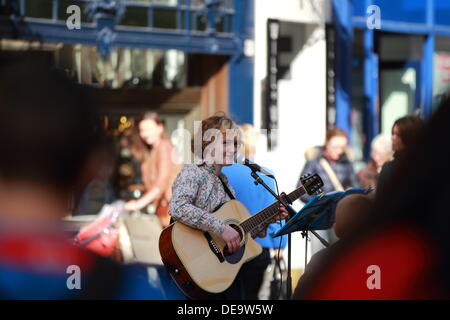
x=197 y=260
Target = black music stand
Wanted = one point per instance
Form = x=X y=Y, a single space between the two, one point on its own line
x=317 y=213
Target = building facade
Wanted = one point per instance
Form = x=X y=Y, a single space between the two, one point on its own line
x=292 y=68
x=354 y=64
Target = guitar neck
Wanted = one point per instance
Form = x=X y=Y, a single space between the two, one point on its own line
x=253 y=224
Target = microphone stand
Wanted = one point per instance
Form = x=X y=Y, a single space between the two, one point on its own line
x=291 y=212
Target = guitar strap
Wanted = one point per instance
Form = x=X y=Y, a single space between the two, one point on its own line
x=227 y=190
x=331 y=174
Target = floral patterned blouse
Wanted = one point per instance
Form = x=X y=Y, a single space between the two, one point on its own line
x=197 y=192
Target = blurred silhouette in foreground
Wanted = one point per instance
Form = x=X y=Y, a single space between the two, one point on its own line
x=402 y=251
x=349 y=214
x=49 y=137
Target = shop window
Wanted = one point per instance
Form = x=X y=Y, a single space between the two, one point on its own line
x=64 y=4
x=400 y=68
x=39 y=9
x=135 y=16
x=165 y=19
x=441 y=72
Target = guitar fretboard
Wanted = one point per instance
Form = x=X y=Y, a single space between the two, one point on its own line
x=260 y=219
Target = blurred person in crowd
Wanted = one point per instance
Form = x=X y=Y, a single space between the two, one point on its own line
x=255 y=198
x=405 y=132
x=152 y=147
x=403 y=251
x=331 y=162
x=350 y=213
x=49 y=137
x=381 y=152
x=201 y=188
x=100 y=190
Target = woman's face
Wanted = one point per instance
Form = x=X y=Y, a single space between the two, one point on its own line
x=336 y=146
x=223 y=151
x=230 y=147
x=150 y=131
x=397 y=143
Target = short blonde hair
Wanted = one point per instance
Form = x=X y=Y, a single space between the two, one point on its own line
x=382 y=143
x=219 y=122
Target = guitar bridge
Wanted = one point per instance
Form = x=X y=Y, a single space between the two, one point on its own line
x=213 y=247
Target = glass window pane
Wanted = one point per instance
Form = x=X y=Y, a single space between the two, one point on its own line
x=38 y=9
x=135 y=16
x=441 y=72
x=220 y=24
x=198 y=22
x=64 y=4
x=397 y=86
x=165 y=19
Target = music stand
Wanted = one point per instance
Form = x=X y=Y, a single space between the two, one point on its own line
x=317 y=213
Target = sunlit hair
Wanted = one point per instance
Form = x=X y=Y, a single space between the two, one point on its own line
x=382 y=143
x=219 y=122
x=335 y=132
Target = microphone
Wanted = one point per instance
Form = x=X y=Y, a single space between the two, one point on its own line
x=255 y=167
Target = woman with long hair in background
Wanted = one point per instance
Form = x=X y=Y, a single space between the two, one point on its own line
x=154 y=150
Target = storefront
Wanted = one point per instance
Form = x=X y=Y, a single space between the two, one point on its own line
x=397 y=53
x=185 y=59
x=327 y=63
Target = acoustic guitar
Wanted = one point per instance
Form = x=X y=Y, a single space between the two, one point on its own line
x=200 y=263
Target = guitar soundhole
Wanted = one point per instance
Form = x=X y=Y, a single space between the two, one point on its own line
x=236 y=256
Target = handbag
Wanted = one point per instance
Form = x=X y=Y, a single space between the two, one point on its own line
x=101 y=236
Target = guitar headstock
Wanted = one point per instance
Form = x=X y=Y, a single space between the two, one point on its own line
x=312 y=183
